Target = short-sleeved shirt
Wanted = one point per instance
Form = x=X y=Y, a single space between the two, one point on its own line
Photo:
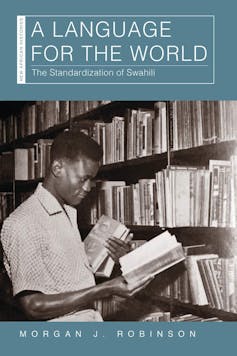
x=42 y=247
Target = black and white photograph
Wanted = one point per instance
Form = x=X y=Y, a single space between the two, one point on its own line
x=118 y=211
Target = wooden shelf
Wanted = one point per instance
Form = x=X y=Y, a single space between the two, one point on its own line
x=202 y=154
x=156 y=162
x=49 y=133
x=187 y=235
x=202 y=311
x=112 y=109
x=150 y=164
x=222 y=241
x=135 y=162
x=185 y=229
x=144 y=167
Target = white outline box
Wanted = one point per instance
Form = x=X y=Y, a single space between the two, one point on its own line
x=128 y=83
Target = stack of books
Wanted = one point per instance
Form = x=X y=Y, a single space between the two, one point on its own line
x=33 y=162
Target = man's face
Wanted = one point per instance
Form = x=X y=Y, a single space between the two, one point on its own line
x=74 y=184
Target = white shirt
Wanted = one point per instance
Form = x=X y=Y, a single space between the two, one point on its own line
x=42 y=247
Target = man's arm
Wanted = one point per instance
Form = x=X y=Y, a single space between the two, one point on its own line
x=39 y=306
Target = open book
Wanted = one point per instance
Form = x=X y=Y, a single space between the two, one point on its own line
x=106 y=227
x=155 y=256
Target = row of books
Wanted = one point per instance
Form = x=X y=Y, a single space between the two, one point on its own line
x=111 y=137
x=178 y=196
x=192 y=317
x=117 y=308
x=130 y=204
x=187 y=123
x=196 y=123
x=123 y=309
x=144 y=132
x=33 y=118
x=81 y=107
x=192 y=196
x=33 y=162
x=108 y=307
x=26 y=163
x=40 y=116
x=166 y=316
x=6 y=205
x=140 y=133
x=208 y=280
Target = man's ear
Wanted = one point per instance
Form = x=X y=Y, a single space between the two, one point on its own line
x=57 y=167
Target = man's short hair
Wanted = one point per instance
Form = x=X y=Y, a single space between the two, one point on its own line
x=73 y=144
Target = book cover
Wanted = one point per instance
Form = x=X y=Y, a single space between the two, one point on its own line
x=97 y=253
x=61 y=60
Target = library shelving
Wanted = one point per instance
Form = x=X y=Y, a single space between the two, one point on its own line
x=177 y=307
x=142 y=139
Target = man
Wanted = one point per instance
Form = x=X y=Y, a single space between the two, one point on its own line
x=43 y=252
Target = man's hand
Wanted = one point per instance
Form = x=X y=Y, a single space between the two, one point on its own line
x=123 y=289
x=117 y=248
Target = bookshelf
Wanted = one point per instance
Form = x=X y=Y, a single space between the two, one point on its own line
x=177 y=307
x=91 y=115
